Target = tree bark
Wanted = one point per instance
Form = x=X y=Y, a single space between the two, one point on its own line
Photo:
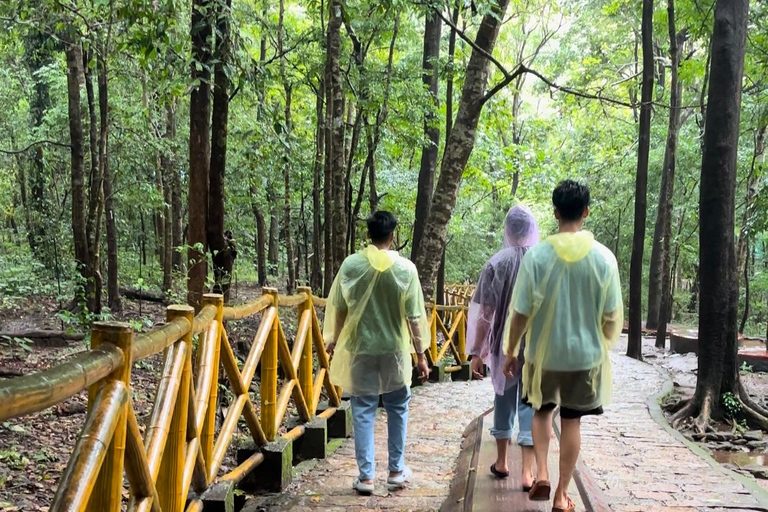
x=335 y=120
x=199 y=151
x=662 y=239
x=459 y=146
x=718 y=370
x=222 y=255
x=74 y=78
x=635 y=345
x=273 y=255
x=167 y=164
x=429 y=78
x=288 y=128
x=316 y=278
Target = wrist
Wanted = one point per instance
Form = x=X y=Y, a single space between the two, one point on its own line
x=421 y=356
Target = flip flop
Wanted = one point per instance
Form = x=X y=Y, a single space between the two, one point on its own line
x=570 y=508
x=527 y=488
x=497 y=473
x=540 y=491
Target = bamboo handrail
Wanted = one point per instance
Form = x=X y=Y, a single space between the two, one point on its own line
x=29 y=394
x=181 y=448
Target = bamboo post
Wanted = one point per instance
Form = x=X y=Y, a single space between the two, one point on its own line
x=170 y=478
x=305 y=365
x=107 y=492
x=462 y=329
x=209 y=425
x=269 y=375
x=433 y=335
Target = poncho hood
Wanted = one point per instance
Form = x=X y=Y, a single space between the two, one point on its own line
x=572 y=247
x=380 y=260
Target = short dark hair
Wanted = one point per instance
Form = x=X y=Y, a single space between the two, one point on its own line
x=570 y=199
x=381 y=225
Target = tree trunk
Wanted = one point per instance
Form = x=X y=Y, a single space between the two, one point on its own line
x=635 y=345
x=38 y=56
x=429 y=77
x=261 y=244
x=335 y=120
x=316 y=278
x=273 y=255
x=167 y=165
x=459 y=146
x=79 y=236
x=176 y=206
x=222 y=255
x=666 y=196
x=718 y=370
x=288 y=128
x=199 y=152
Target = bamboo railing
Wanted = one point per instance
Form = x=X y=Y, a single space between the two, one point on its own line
x=182 y=449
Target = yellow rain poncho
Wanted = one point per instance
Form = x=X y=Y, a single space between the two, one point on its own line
x=375 y=309
x=568 y=288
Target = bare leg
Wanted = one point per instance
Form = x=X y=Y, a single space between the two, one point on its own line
x=570 y=445
x=542 y=421
x=501 y=455
x=528 y=459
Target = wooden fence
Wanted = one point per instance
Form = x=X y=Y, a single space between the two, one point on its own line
x=177 y=460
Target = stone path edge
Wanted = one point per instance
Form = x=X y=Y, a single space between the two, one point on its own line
x=654 y=408
x=591 y=494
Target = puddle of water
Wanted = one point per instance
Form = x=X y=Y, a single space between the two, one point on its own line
x=740 y=459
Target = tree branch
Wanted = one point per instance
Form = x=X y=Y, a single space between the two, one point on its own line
x=18 y=151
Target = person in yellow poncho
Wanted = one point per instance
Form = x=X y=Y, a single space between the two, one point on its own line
x=568 y=299
x=374 y=320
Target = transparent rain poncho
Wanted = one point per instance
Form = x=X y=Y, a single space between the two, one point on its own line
x=490 y=302
x=568 y=288
x=376 y=315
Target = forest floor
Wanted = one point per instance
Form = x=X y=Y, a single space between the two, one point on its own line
x=733 y=444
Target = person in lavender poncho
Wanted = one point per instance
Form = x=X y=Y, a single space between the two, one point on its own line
x=485 y=331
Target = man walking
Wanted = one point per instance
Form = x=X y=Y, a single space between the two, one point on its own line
x=375 y=319
x=568 y=298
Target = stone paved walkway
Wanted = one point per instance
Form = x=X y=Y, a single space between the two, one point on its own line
x=641 y=466
x=439 y=415
x=638 y=464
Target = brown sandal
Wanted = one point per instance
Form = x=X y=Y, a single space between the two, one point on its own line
x=570 y=508
x=540 y=491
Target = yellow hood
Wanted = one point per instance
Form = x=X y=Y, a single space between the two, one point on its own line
x=379 y=260
x=572 y=247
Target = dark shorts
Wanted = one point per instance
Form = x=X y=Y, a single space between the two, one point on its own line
x=572 y=388
x=569 y=414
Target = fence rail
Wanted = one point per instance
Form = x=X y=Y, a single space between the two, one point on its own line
x=182 y=448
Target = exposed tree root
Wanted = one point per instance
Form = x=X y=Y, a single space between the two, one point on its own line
x=686 y=409
x=750 y=402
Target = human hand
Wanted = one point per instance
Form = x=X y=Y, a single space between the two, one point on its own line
x=510 y=366
x=423 y=367
x=330 y=348
x=477 y=368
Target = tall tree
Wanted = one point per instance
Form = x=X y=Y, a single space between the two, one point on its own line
x=199 y=151
x=316 y=278
x=73 y=52
x=285 y=135
x=458 y=147
x=337 y=248
x=718 y=370
x=660 y=275
x=635 y=346
x=222 y=255
x=429 y=77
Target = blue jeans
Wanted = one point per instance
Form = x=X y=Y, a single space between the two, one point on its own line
x=364 y=416
x=506 y=407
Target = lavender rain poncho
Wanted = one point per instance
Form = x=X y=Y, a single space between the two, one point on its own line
x=490 y=303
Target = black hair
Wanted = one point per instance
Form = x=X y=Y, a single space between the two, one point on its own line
x=570 y=199
x=381 y=225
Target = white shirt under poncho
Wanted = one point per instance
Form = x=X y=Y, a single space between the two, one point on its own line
x=382 y=297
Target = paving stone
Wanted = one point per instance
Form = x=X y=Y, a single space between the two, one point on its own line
x=638 y=464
